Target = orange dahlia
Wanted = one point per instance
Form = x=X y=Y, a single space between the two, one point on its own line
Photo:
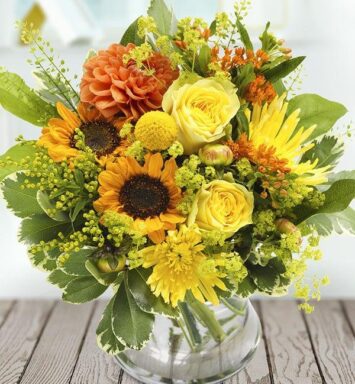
x=146 y=193
x=101 y=135
x=122 y=89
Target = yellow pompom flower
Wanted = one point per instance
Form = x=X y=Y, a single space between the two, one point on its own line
x=156 y=130
x=179 y=265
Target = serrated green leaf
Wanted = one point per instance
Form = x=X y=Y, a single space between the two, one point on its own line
x=131 y=325
x=106 y=339
x=42 y=261
x=48 y=206
x=131 y=35
x=21 y=201
x=137 y=282
x=244 y=35
x=164 y=18
x=102 y=277
x=327 y=151
x=316 y=110
x=59 y=278
x=246 y=287
x=83 y=289
x=282 y=70
x=75 y=263
x=265 y=278
x=41 y=227
x=16 y=153
x=17 y=98
x=340 y=222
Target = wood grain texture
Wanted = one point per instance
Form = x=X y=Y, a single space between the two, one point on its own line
x=18 y=337
x=333 y=342
x=290 y=351
x=349 y=308
x=5 y=307
x=56 y=354
x=94 y=365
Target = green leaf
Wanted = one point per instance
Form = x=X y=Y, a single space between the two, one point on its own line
x=131 y=35
x=327 y=151
x=244 y=35
x=42 y=227
x=83 y=289
x=59 y=278
x=145 y=299
x=42 y=261
x=315 y=110
x=245 y=76
x=22 y=201
x=342 y=175
x=279 y=87
x=106 y=338
x=75 y=264
x=203 y=60
x=131 y=325
x=164 y=18
x=80 y=205
x=339 y=222
x=337 y=199
x=282 y=70
x=213 y=27
x=47 y=206
x=103 y=278
x=265 y=278
x=17 y=98
x=246 y=287
x=16 y=154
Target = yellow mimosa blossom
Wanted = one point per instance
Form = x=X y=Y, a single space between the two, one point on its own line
x=179 y=265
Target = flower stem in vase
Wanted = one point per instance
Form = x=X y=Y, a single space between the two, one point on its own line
x=188 y=326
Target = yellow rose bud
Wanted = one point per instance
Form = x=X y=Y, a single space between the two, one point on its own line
x=223 y=206
x=216 y=154
x=202 y=110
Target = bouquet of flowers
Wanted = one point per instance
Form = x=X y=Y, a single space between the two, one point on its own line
x=182 y=169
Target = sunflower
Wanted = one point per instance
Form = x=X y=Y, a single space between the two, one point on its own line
x=146 y=193
x=276 y=144
x=179 y=265
x=101 y=135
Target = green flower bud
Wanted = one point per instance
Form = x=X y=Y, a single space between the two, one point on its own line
x=287 y=227
x=216 y=154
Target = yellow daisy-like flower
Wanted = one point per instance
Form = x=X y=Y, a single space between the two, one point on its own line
x=146 y=193
x=269 y=130
x=156 y=130
x=100 y=134
x=179 y=265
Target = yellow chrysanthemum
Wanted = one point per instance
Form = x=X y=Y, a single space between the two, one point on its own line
x=179 y=265
x=101 y=135
x=147 y=193
x=270 y=131
x=156 y=130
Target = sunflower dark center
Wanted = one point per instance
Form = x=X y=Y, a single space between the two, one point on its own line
x=100 y=136
x=143 y=196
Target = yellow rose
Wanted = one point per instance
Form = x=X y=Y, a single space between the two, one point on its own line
x=202 y=110
x=222 y=206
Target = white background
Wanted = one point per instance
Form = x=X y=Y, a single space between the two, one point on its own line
x=322 y=30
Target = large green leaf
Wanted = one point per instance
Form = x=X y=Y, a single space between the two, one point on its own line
x=106 y=339
x=315 y=110
x=48 y=207
x=104 y=278
x=59 y=278
x=137 y=282
x=327 y=151
x=83 y=289
x=339 y=222
x=283 y=69
x=22 y=201
x=342 y=175
x=244 y=35
x=75 y=263
x=42 y=261
x=131 y=325
x=164 y=17
x=20 y=100
x=246 y=287
x=16 y=154
x=41 y=227
x=131 y=36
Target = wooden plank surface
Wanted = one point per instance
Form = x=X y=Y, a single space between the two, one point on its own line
x=56 y=354
x=94 y=366
x=333 y=341
x=18 y=337
x=5 y=307
x=291 y=356
x=349 y=309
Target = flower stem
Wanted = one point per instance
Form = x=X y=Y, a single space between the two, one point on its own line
x=187 y=320
x=207 y=317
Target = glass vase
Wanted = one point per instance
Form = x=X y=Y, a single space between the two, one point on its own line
x=206 y=344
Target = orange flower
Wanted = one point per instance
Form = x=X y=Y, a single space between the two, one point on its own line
x=123 y=90
x=146 y=193
x=259 y=91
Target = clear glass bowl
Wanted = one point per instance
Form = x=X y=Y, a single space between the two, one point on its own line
x=168 y=357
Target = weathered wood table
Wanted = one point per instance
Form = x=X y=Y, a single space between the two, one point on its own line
x=46 y=342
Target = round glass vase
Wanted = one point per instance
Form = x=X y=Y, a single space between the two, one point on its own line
x=206 y=344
